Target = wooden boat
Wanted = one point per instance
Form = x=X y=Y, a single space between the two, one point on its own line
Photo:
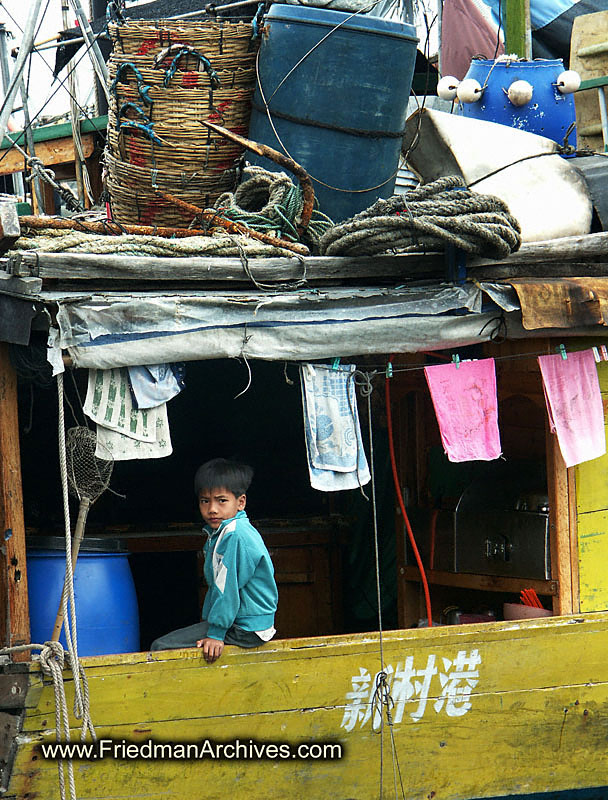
x=506 y=709
x=493 y=710
x=496 y=710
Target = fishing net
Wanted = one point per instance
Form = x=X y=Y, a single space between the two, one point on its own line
x=88 y=475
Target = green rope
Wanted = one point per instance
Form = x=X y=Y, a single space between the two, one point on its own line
x=269 y=202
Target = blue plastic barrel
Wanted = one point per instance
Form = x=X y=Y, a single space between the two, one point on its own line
x=107 y=616
x=336 y=87
x=549 y=113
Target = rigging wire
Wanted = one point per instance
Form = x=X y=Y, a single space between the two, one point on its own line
x=62 y=84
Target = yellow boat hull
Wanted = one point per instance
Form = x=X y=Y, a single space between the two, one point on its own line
x=478 y=711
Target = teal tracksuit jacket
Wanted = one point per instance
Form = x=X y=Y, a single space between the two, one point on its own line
x=239 y=572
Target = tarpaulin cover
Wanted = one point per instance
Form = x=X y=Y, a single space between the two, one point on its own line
x=109 y=330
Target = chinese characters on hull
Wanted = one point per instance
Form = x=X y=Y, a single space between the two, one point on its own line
x=455 y=679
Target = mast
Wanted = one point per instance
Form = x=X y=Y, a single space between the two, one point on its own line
x=518 y=28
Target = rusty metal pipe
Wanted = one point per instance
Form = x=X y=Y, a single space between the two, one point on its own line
x=234 y=227
x=109 y=227
x=283 y=161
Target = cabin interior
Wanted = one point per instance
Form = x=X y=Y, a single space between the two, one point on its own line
x=485 y=530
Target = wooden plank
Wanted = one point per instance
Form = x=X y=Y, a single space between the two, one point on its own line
x=588 y=30
x=587 y=247
x=548 y=269
x=486 y=583
x=11 y=284
x=559 y=524
x=592 y=483
x=57 y=151
x=593 y=556
x=532 y=692
x=13 y=689
x=86 y=266
x=63 y=130
x=574 y=555
x=14 y=622
x=10 y=725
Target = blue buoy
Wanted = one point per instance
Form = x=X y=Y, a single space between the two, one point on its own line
x=548 y=113
x=106 y=605
x=336 y=88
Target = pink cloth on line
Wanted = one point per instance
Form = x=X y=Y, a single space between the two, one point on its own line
x=574 y=405
x=465 y=403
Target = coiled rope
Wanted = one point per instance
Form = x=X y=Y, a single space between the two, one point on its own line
x=270 y=202
x=428 y=219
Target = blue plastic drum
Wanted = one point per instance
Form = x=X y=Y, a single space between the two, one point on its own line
x=107 y=616
x=337 y=89
x=549 y=113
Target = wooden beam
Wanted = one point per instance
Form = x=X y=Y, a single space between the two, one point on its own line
x=559 y=525
x=588 y=247
x=14 y=621
x=486 y=583
x=86 y=266
x=576 y=596
x=56 y=151
x=518 y=38
x=549 y=269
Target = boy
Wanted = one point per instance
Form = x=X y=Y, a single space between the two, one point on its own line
x=241 y=601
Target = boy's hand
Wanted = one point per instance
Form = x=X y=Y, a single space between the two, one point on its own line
x=212 y=648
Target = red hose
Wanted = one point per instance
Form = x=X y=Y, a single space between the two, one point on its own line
x=410 y=533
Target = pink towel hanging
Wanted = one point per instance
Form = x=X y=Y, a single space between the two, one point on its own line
x=465 y=403
x=574 y=405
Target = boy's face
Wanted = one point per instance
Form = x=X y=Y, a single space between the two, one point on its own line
x=219 y=504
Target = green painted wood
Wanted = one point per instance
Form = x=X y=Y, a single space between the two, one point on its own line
x=46 y=133
x=517 y=28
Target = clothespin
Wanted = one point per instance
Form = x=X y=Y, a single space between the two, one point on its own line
x=596 y=355
x=604 y=352
x=389 y=370
x=456 y=360
x=561 y=349
x=335 y=363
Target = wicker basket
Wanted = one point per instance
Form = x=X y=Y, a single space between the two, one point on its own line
x=166 y=77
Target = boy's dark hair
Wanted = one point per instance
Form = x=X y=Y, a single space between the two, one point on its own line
x=222 y=473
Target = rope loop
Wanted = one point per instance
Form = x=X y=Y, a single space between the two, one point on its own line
x=134 y=107
x=214 y=78
x=142 y=88
x=382 y=701
x=145 y=129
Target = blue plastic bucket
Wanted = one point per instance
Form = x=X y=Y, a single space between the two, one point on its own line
x=107 y=616
x=549 y=113
x=337 y=87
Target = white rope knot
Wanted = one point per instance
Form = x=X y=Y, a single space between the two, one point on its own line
x=52 y=657
x=37 y=166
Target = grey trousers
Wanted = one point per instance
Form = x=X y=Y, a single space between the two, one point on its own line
x=189 y=636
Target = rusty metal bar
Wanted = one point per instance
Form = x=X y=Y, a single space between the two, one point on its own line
x=235 y=227
x=283 y=161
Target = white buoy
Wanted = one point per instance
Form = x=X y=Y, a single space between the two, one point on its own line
x=520 y=93
x=469 y=91
x=447 y=86
x=568 y=81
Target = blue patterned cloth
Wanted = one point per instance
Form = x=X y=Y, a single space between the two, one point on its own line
x=154 y=384
x=336 y=458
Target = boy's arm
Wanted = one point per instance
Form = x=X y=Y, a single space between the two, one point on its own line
x=234 y=571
